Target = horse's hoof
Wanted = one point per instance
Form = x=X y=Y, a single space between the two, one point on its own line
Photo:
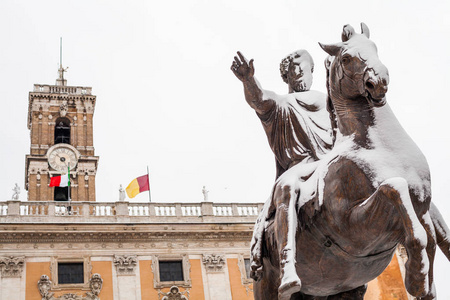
x=286 y=290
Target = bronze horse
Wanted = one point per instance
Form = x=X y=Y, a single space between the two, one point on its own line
x=372 y=192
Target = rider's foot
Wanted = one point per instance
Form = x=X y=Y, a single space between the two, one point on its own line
x=290 y=282
x=286 y=289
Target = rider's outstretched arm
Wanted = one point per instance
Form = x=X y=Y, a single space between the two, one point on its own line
x=253 y=92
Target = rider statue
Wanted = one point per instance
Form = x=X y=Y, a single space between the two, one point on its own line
x=298 y=129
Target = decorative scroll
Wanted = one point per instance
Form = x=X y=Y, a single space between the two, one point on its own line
x=125 y=264
x=213 y=262
x=11 y=266
x=174 y=294
x=95 y=286
x=63 y=108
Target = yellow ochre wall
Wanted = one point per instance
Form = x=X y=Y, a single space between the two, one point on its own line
x=197 y=292
x=389 y=285
x=34 y=271
x=238 y=291
x=147 y=290
x=104 y=268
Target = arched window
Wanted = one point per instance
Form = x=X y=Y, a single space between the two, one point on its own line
x=61 y=193
x=62 y=131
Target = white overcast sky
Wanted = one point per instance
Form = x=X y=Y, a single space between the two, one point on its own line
x=167 y=99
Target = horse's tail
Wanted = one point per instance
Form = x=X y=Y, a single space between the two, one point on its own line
x=442 y=230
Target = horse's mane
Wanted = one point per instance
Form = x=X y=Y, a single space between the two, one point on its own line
x=330 y=106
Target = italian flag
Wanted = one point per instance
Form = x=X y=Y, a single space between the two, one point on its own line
x=61 y=181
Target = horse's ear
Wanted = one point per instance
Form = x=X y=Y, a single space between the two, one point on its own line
x=365 y=30
x=347 y=32
x=332 y=49
x=328 y=62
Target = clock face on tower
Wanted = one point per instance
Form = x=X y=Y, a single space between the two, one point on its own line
x=61 y=157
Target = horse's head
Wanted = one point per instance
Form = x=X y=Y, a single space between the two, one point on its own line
x=356 y=72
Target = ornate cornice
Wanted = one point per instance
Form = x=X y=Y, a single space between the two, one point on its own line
x=43 y=101
x=11 y=266
x=82 y=237
x=71 y=97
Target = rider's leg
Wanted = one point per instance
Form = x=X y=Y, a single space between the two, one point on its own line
x=285 y=231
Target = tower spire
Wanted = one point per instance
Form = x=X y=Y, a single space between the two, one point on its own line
x=61 y=81
x=60 y=52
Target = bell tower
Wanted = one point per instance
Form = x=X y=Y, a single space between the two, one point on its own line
x=60 y=120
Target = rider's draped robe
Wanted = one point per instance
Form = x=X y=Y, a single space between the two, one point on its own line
x=297 y=127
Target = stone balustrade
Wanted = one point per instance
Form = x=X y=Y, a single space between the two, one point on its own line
x=86 y=212
x=57 y=89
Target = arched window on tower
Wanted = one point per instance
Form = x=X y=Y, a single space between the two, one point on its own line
x=62 y=131
x=61 y=193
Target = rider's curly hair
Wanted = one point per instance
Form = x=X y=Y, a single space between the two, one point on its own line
x=285 y=62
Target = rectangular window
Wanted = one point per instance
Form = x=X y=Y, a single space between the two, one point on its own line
x=70 y=273
x=171 y=271
x=247 y=267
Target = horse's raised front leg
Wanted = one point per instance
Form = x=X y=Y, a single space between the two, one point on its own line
x=427 y=223
x=394 y=193
x=442 y=231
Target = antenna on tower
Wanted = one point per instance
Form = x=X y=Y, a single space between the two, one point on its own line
x=60 y=52
x=61 y=70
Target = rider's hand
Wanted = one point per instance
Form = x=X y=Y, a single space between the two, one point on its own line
x=241 y=68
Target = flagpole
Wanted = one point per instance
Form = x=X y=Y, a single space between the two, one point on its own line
x=68 y=175
x=149 y=189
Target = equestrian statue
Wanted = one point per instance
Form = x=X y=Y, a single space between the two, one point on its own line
x=351 y=185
